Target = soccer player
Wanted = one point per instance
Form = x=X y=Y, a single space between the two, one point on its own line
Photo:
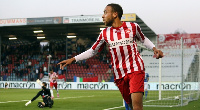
x=53 y=83
x=46 y=96
x=127 y=64
x=146 y=79
x=6 y=85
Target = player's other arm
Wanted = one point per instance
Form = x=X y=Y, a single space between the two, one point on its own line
x=147 y=43
x=85 y=55
x=38 y=94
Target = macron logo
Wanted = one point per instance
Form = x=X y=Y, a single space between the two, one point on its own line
x=117 y=31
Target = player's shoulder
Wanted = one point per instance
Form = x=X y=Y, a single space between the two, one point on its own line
x=105 y=29
x=54 y=73
x=132 y=23
x=47 y=89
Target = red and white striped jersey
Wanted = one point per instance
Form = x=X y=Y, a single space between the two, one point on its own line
x=125 y=57
x=51 y=76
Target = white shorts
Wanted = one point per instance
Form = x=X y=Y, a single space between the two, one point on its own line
x=145 y=85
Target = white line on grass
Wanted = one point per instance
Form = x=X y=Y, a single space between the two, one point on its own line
x=54 y=98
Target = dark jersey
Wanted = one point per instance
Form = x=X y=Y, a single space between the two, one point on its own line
x=44 y=93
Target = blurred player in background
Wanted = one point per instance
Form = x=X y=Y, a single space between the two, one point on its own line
x=6 y=85
x=127 y=64
x=46 y=96
x=53 y=83
x=146 y=79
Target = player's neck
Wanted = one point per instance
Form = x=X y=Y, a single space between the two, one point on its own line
x=117 y=23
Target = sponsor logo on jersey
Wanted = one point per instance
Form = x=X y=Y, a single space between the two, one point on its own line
x=121 y=42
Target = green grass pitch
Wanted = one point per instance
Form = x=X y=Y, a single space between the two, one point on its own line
x=15 y=99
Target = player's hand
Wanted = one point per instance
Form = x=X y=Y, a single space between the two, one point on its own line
x=65 y=63
x=27 y=103
x=158 y=53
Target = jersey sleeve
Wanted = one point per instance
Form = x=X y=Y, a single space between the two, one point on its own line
x=143 y=39
x=148 y=44
x=97 y=46
x=38 y=94
x=100 y=43
x=140 y=36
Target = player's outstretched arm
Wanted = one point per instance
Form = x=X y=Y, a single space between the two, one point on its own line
x=66 y=62
x=157 y=53
x=38 y=94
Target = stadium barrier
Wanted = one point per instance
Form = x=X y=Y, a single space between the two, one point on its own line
x=152 y=86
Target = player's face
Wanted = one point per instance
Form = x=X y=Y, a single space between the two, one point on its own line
x=108 y=17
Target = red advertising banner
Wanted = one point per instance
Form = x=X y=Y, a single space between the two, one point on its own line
x=169 y=41
x=92 y=79
x=12 y=22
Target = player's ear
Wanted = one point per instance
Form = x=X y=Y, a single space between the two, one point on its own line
x=115 y=14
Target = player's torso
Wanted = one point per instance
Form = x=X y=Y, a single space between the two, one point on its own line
x=123 y=49
x=121 y=41
x=52 y=76
x=44 y=93
x=122 y=36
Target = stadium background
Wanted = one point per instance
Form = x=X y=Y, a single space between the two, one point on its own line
x=26 y=54
x=25 y=59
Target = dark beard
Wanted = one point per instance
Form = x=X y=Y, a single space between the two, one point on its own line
x=109 y=23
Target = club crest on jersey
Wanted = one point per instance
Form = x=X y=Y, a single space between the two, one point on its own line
x=127 y=31
x=117 y=31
